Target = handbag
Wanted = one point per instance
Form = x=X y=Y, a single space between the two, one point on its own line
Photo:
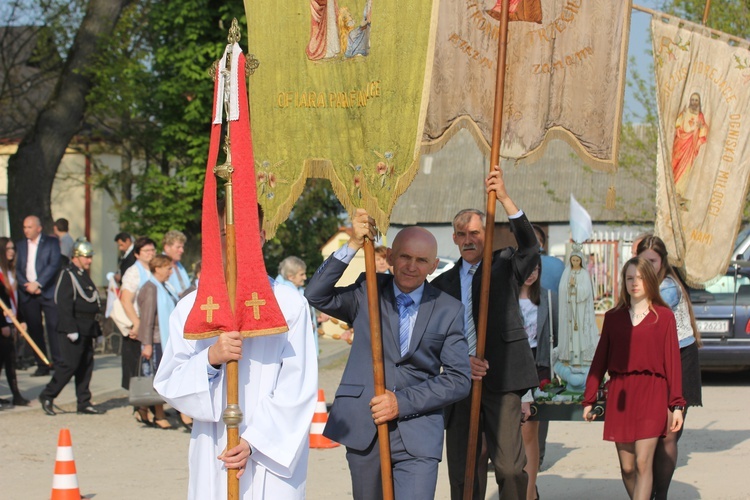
x=142 y=392
x=121 y=320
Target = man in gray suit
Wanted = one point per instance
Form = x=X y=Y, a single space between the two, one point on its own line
x=425 y=357
x=507 y=369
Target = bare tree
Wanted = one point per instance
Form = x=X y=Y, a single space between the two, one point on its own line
x=32 y=169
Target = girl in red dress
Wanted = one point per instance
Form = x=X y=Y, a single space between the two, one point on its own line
x=639 y=348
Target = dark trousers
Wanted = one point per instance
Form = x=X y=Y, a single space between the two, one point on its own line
x=131 y=356
x=31 y=310
x=414 y=478
x=543 y=431
x=8 y=361
x=456 y=446
x=501 y=415
x=77 y=361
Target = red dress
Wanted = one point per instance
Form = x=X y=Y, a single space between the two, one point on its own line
x=646 y=376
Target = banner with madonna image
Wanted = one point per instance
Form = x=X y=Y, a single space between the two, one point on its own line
x=340 y=93
x=703 y=161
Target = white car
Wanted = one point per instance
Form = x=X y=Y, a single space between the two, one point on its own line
x=443 y=266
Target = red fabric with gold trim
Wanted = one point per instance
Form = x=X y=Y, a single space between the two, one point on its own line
x=256 y=310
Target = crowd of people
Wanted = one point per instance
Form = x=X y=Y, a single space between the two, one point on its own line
x=46 y=285
x=648 y=347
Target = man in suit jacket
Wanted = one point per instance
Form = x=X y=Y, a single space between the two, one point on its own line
x=125 y=245
x=425 y=359
x=508 y=369
x=37 y=265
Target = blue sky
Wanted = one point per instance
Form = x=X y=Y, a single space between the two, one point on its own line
x=640 y=48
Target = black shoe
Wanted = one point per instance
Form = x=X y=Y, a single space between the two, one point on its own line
x=47 y=406
x=89 y=410
x=41 y=372
x=20 y=401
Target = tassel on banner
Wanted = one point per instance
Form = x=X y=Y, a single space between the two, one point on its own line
x=611 y=197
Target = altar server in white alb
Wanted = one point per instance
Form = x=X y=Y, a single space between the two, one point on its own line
x=278 y=382
x=278 y=385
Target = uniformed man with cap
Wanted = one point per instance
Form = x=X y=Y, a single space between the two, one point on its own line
x=78 y=304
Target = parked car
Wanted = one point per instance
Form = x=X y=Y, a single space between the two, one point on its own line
x=722 y=312
x=444 y=264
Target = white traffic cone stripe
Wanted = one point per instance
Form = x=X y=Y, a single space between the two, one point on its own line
x=64 y=454
x=64 y=482
x=321 y=407
x=317 y=428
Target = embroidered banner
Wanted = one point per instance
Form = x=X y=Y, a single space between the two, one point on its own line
x=565 y=78
x=341 y=93
x=703 y=95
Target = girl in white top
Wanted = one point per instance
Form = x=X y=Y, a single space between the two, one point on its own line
x=652 y=248
x=534 y=303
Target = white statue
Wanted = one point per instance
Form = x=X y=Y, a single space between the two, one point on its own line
x=578 y=334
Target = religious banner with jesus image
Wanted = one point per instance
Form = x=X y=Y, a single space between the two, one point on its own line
x=341 y=93
x=564 y=79
x=703 y=95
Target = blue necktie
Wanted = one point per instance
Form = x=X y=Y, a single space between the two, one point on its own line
x=471 y=330
x=404 y=302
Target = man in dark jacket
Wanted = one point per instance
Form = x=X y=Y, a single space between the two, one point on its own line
x=508 y=368
x=78 y=306
x=37 y=265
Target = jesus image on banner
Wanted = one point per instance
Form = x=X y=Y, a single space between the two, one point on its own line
x=324 y=33
x=690 y=134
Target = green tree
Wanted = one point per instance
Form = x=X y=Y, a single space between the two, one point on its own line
x=154 y=101
x=316 y=217
x=730 y=17
x=32 y=169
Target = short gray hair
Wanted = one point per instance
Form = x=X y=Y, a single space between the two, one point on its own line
x=464 y=216
x=291 y=265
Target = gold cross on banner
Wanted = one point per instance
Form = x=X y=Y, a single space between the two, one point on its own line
x=255 y=303
x=209 y=307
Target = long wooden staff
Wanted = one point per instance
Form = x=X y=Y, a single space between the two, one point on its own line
x=9 y=313
x=232 y=415
x=376 y=342
x=706 y=10
x=489 y=234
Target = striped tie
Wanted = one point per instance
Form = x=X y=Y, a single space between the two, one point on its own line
x=404 y=302
x=471 y=329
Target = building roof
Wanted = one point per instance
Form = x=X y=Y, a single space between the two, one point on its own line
x=453 y=179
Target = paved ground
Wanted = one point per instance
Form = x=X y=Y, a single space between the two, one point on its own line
x=116 y=458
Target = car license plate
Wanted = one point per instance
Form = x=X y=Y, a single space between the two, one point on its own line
x=715 y=326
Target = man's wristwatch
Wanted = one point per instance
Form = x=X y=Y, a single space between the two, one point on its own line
x=677 y=407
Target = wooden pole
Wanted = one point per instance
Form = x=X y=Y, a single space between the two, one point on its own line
x=9 y=313
x=489 y=234
x=232 y=415
x=706 y=11
x=376 y=343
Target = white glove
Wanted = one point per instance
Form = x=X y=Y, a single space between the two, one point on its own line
x=73 y=336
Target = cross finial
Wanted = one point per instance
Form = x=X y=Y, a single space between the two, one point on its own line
x=209 y=307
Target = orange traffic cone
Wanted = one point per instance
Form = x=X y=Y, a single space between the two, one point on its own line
x=317 y=439
x=65 y=481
